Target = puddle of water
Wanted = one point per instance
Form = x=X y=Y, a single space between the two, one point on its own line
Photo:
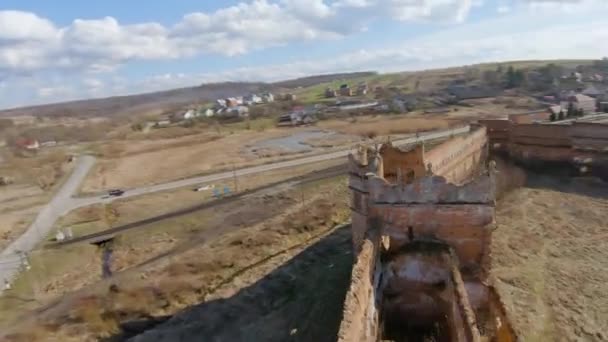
x=295 y=142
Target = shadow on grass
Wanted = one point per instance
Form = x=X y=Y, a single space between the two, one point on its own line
x=299 y=301
x=586 y=186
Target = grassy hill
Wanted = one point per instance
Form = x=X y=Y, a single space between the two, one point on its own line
x=308 y=89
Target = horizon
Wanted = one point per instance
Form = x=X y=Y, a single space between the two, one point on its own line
x=49 y=55
x=60 y=102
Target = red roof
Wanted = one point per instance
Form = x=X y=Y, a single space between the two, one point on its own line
x=24 y=142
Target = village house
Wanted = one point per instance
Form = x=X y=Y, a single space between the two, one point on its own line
x=403 y=103
x=238 y=111
x=362 y=89
x=472 y=92
x=581 y=102
x=290 y=97
x=252 y=100
x=330 y=93
x=27 y=144
x=189 y=114
x=220 y=103
x=592 y=91
x=207 y=112
x=267 y=97
x=345 y=90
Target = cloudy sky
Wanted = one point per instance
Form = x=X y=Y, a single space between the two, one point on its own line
x=70 y=49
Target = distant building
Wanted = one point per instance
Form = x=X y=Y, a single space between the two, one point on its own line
x=584 y=102
x=557 y=109
x=189 y=114
x=27 y=144
x=345 y=90
x=472 y=92
x=330 y=93
x=208 y=112
x=220 y=103
x=252 y=100
x=362 y=89
x=238 y=111
x=549 y=98
x=290 y=97
x=404 y=103
x=592 y=91
x=296 y=119
x=231 y=102
x=162 y=123
x=267 y=97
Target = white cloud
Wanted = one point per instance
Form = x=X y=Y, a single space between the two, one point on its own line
x=38 y=58
x=503 y=9
x=406 y=10
x=29 y=43
x=17 y=25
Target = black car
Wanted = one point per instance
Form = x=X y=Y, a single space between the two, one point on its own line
x=116 y=192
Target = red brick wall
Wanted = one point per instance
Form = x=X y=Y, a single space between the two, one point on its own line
x=360 y=320
x=395 y=161
x=457 y=158
x=463 y=226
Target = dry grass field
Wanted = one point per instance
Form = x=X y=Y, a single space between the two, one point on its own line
x=550 y=259
x=142 y=162
x=384 y=125
x=215 y=257
x=179 y=217
x=35 y=179
x=282 y=276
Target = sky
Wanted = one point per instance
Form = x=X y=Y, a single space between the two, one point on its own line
x=61 y=50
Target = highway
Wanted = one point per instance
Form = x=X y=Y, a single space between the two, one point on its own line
x=63 y=202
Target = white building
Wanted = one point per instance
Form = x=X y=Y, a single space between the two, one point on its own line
x=267 y=97
x=189 y=114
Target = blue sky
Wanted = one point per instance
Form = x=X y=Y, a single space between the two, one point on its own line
x=66 y=49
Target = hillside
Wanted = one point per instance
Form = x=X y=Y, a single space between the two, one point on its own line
x=167 y=100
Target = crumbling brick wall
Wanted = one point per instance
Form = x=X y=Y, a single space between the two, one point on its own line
x=408 y=165
x=548 y=143
x=387 y=206
x=458 y=157
x=360 y=316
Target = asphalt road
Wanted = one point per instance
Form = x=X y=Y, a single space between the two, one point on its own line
x=63 y=202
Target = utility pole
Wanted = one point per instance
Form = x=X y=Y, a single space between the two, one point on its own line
x=235 y=179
